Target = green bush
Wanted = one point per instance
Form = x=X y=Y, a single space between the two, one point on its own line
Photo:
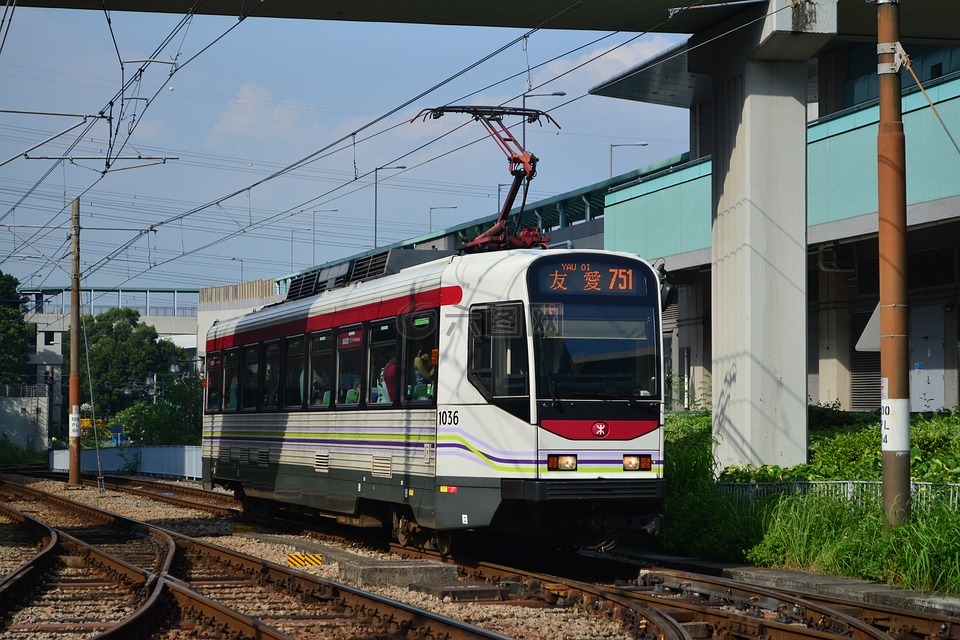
x=852 y=452
x=11 y=453
x=696 y=519
x=815 y=532
x=821 y=417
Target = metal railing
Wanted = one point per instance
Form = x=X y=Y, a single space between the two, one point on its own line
x=923 y=494
x=23 y=391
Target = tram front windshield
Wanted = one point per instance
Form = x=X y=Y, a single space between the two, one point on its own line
x=597 y=344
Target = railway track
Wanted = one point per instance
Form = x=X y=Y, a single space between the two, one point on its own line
x=68 y=588
x=719 y=608
x=22 y=537
x=661 y=604
x=188 y=585
x=898 y=623
x=215 y=502
x=71 y=589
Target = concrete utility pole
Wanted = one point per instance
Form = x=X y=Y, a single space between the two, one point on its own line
x=73 y=475
x=894 y=310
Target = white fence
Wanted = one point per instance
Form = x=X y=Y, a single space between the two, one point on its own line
x=923 y=494
x=179 y=462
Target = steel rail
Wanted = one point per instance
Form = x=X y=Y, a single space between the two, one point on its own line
x=310 y=587
x=900 y=623
x=799 y=619
x=11 y=580
x=399 y=616
x=792 y=611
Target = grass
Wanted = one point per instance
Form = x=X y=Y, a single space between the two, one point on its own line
x=11 y=453
x=815 y=532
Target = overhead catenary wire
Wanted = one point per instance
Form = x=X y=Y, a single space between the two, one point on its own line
x=109 y=109
x=295 y=165
x=289 y=168
x=376 y=120
x=123 y=248
x=6 y=21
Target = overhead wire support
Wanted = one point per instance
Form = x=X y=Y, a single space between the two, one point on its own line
x=24 y=153
x=523 y=167
x=72 y=158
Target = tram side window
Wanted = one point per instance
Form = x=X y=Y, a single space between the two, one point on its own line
x=498 y=350
x=271 y=375
x=231 y=380
x=420 y=357
x=250 y=377
x=214 y=382
x=350 y=352
x=383 y=372
x=321 y=369
x=295 y=378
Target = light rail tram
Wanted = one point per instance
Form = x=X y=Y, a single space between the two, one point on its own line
x=513 y=391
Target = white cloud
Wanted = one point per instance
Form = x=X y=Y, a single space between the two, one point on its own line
x=255 y=117
x=602 y=63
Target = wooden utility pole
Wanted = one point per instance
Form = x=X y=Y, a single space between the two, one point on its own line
x=73 y=475
x=894 y=310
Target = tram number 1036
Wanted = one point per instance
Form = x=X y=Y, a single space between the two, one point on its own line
x=448 y=418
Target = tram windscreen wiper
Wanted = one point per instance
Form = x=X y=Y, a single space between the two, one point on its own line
x=631 y=399
x=553 y=392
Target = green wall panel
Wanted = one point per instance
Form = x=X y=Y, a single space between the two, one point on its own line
x=670 y=213
x=662 y=216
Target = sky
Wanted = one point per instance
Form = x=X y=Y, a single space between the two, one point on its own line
x=248 y=149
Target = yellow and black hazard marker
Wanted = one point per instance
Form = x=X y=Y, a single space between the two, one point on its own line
x=304 y=560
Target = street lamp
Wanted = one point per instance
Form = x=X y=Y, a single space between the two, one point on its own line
x=523 y=141
x=313 y=236
x=293 y=231
x=375 y=171
x=626 y=144
x=241 y=267
x=151 y=387
x=449 y=206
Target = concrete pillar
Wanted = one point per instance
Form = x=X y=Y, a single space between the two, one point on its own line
x=759 y=265
x=757 y=62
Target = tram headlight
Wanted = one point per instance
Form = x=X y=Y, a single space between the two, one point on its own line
x=567 y=462
x=635 y=462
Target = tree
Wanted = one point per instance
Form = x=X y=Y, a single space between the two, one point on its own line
x=175 y=419
x=15 y=334
x=127 y=360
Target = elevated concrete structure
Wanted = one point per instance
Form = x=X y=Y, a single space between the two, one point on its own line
x=930 y=23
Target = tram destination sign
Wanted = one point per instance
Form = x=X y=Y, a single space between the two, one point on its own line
x=590 y=278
